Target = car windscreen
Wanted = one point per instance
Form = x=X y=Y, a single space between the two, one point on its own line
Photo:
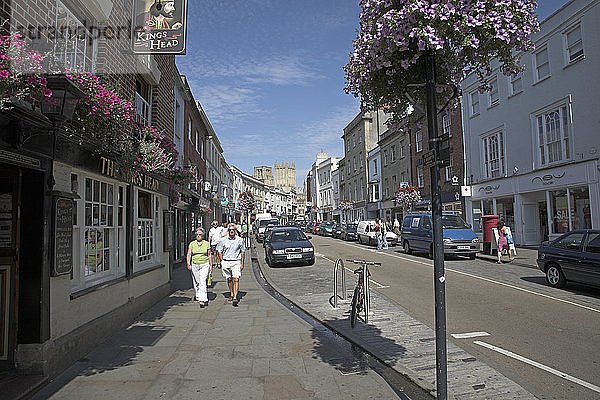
x=453 y=222
x=265 y=222
x=287 y=236
x=351 y=227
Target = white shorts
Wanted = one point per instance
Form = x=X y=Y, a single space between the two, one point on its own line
x=231 y=269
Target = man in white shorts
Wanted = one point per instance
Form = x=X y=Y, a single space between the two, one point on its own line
x=231 y=254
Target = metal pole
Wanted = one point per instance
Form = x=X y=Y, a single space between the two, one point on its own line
x=438 y=244
x=366 y=293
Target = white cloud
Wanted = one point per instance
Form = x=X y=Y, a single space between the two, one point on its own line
x=226 y=103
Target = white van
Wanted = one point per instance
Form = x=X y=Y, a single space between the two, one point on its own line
x=365 y=233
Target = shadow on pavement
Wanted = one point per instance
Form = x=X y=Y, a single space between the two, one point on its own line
x=572 y=287
x=352 y=359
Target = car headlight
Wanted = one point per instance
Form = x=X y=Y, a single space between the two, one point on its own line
x=476 y=240
x=541 y=256
x=307 y=249
x=278 y=251
x=447 y=241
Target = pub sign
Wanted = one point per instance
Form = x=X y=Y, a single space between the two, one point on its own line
x=159 y=26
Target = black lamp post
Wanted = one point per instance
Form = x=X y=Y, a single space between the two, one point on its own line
x=59 y=109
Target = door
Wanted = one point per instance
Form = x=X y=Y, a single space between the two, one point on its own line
x=9 y=259
x=531 y=224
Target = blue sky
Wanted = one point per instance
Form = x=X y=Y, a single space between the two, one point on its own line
x=269 y=75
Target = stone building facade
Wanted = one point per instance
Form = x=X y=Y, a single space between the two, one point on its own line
x=284 y=175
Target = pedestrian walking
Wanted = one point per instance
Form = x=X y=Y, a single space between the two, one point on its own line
x=231 y=253
x=396 y=226
x=384 y=229
x=377 y=229
x=200 y=264
x=503 y=241
x=214 y=237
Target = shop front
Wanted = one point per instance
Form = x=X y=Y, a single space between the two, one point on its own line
x=541 y=205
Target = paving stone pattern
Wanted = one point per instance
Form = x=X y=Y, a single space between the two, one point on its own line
x=258 y=350
x=392 y=335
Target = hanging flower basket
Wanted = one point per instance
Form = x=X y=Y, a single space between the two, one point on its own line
x=407 y=196
x=246 y=202
x=346 y=205
x=203 y=210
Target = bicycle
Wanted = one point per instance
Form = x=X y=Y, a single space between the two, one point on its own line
x=361 y=291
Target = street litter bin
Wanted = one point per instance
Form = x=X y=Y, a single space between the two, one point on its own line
x=488 y=223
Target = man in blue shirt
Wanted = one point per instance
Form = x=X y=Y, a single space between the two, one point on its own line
x=231 y=254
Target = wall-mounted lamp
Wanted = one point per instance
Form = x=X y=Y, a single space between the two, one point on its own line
x=515 y=170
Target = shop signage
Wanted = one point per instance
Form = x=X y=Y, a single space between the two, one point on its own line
x=109 y=168
x=19 y=159
x=63 y=236
x=547 y=179
x=455 y=180
x=466 y=191
x=159 y=26
x=489 y=189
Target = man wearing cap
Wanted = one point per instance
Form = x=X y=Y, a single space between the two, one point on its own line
x=231 y=254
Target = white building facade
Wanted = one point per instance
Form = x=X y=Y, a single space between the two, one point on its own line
x=532 y=142
x=374 y=182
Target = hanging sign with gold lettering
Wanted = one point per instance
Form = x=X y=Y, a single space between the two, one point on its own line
x=159 y=26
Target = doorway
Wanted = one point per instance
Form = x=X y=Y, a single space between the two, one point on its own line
x=10 y=189
x=543 y=218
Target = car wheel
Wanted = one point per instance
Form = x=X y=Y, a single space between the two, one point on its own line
x=359 y=240
x=472 y=256
x=555 y=276
x=407 y=249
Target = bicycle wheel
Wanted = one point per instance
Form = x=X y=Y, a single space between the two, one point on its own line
x=355 y=304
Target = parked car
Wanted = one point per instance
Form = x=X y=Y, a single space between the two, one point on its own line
x=268 y=231
x=293 y=223
x=327 y=228
x=573 y=257
x=365 y=233
x=262 y=225
x=349 y=232
x=337 y=231
x=459 y=238
x=289 y=245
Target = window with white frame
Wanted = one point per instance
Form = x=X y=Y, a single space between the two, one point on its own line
x=376 y=192
x=98 y=237
x=553 y=135
x=385 y=157
x=354 y=162
x=449 y=168
x=393 y=153
x=420 y=178
x=494 y=164
x=515 y=84
x=74 y=44
x=198 y=142
x=474 y=103
x=353 y=140
x=542 y=64
x=375 y=166
x=190 y=131
x=419 y=140
x=146 y=226
x=574 y=44
x=387 y=189
x=493 y=97
x=446 y=125
x=402 y=148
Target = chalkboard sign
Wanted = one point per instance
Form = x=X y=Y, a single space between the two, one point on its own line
x=63 y=237
x=167 y=231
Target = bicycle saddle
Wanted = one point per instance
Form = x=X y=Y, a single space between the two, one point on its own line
x=359 y=270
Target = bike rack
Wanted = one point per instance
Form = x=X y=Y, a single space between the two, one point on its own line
x=339 y=262
x=367 y=292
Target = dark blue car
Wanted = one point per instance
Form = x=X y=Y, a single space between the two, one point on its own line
x=575 y=257
x=289 y=245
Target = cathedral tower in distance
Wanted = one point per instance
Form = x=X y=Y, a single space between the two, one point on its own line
x=284 y=175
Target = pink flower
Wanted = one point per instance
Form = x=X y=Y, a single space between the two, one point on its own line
x=4 y=73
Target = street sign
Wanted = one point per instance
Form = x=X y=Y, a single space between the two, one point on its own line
x=444 y=156
x=465 y=191
x=429 y=159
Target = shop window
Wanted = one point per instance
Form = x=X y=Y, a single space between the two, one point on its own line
x=506 y=212
x=145 y=236
x=560 y=211
x=99 y=237
x=580 y=208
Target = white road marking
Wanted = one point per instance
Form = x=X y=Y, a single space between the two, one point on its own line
x=469 y=335
x=540 y=366
x=489 y=280
x=379 y=285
